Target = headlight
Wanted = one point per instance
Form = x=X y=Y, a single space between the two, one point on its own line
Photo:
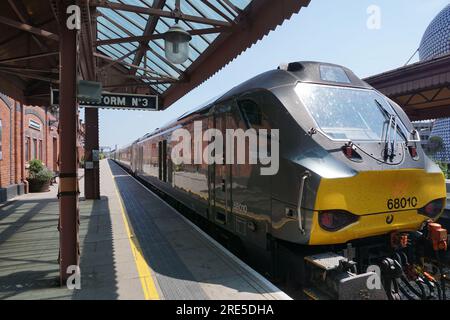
x=433 y=209
x=335 y=220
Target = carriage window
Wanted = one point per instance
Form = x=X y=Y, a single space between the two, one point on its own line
x=251 y=112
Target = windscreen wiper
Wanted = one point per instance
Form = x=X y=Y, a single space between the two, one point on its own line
x=390 y=140
x=388 y=115
x=387 y=140
x=394 y=138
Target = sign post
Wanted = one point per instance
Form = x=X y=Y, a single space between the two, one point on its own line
x=91 y=97
x=116 y=101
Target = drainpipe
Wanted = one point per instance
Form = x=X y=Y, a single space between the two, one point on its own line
x=11 y=163
x=22 y=147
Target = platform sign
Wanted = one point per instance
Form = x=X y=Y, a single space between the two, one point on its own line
x=116 y=101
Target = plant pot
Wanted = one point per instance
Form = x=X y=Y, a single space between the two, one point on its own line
x=38 y=185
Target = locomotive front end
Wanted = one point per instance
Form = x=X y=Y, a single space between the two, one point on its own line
x=394 y=186
x=374 y=203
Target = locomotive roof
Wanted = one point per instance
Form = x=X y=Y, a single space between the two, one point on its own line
x=304 y=71
x=285 y=75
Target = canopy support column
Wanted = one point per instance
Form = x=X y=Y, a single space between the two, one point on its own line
x=68 y=177
x=91 y=175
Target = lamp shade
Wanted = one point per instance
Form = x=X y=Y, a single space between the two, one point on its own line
x=177 y=44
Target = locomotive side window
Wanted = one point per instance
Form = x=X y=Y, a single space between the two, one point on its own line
x=251 y=112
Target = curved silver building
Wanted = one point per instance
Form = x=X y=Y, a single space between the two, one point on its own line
x=436 y=39
x=435 y=43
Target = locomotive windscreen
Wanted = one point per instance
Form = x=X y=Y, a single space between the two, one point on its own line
x=349 y=113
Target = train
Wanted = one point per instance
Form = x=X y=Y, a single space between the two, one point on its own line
x=351 y=187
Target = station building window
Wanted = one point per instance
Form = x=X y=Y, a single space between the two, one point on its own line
x=27 y=149
x=40 y=151
x=55 y=154
x=35 y=147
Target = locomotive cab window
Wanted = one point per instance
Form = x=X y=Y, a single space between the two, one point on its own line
x=333 y=74
x=251 y=112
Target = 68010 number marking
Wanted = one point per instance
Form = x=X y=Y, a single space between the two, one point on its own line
x=402 y=203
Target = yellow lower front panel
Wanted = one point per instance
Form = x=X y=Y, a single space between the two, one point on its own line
x=367 y=226
x=373 y=196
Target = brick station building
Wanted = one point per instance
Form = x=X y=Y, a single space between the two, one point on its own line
x=26 y=133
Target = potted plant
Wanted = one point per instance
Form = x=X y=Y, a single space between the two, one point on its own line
x=39 y=176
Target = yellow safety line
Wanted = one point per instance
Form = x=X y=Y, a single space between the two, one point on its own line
x=311 y=295
x=148 y=286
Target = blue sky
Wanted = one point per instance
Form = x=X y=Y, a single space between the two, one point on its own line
x=329 y=31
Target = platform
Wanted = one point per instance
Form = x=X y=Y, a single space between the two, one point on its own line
x=133 y=246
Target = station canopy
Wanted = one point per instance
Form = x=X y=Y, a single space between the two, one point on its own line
x=422 y=89
x=122 y=45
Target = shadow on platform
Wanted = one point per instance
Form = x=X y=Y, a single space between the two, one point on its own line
x=29 y=247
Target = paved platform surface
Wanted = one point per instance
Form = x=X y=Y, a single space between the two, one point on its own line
x=138 y=249
x=185 y=262
x=29 y=242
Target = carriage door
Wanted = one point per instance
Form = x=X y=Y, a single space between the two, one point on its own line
x=133 y=164
x=222 y=177
x=141 y=158
x=211 y=177
x=162 y=157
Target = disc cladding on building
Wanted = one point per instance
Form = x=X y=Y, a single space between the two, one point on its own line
x=435 y=43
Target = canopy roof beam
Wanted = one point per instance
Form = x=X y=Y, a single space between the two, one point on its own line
x=28 y=28
x=102 y=56
x=30 y=76
x=213 y=8
x=120 y=44
x=135 y=77
x=158 y=12
x=30 y=56
x=87 y=41
x=27 y=69
x=122 y=58
x=148 y=31
x=23 y=16
x=146 y=38
x=134 y=84
x=229 y=4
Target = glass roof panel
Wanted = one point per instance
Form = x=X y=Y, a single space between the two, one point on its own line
x=241 y=4
x=114 y=24
x=120 y=20
x=160 y=65
x=231 y=14
x=161 y=68
x=135 y=19
x=197 y=8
